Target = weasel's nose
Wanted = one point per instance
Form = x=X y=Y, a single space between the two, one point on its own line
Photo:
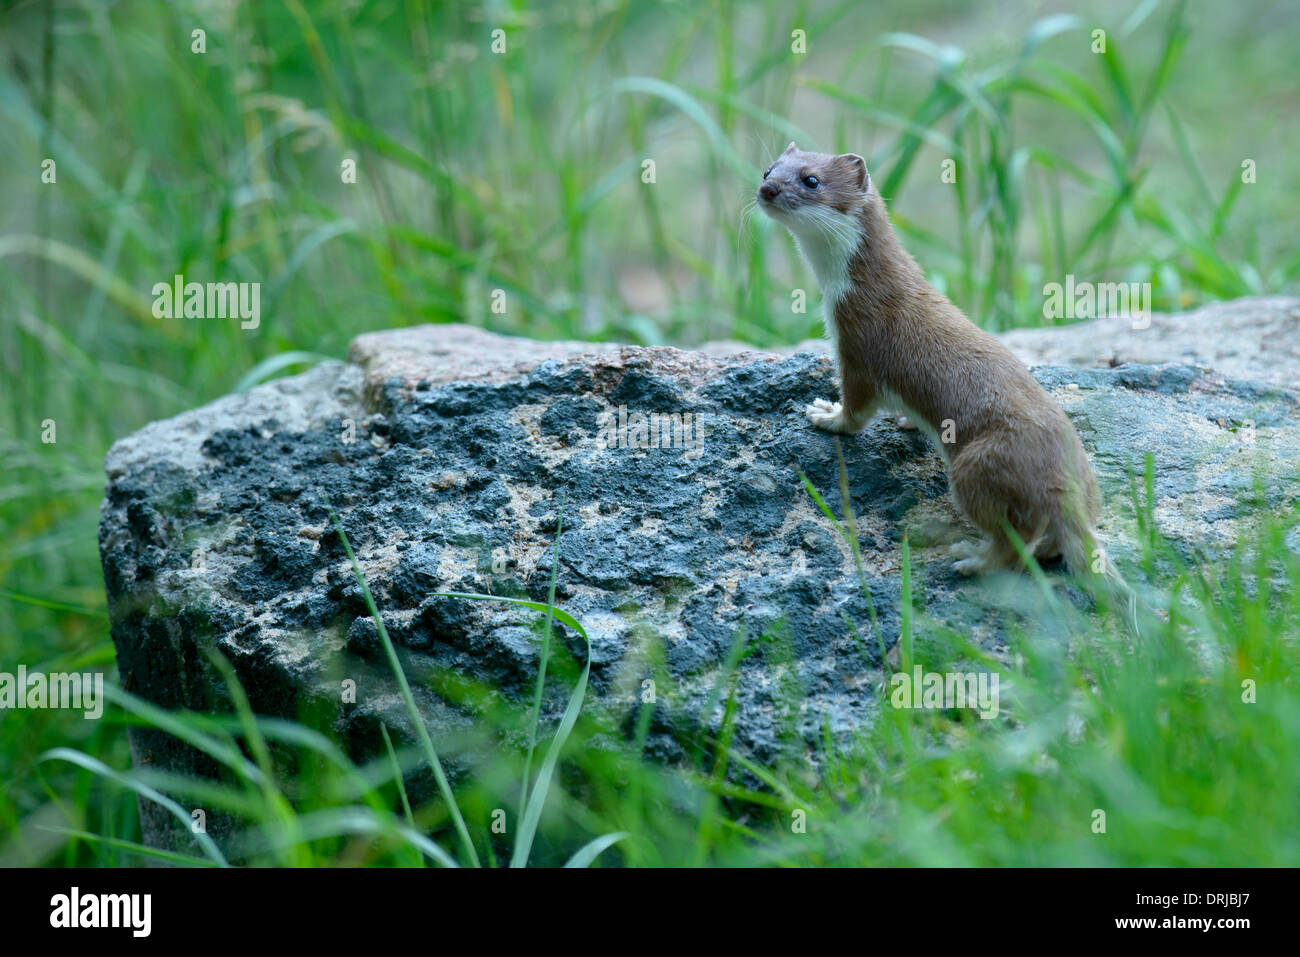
x=768 y=191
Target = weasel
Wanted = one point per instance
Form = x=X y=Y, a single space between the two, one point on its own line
x=1013 y=458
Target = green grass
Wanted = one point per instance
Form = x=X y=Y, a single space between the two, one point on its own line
x=1160 y=734
x=523 y=173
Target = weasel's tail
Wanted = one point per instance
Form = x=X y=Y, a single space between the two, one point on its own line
x=1084 y=554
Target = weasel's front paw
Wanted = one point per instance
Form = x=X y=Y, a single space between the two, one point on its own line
x=830 y=416
x=905 y=423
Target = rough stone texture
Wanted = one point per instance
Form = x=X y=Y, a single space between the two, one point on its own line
x=1254 y=339
x=445 y=450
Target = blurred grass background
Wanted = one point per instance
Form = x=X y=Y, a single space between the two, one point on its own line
x=522 y=172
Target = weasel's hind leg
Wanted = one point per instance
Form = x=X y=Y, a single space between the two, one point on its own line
x=987 y=555
x=969 y=555
x=995 y=483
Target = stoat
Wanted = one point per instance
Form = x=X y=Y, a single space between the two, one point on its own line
x=1013 y=457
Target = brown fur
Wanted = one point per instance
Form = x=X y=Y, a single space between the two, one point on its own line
x=1015 y=457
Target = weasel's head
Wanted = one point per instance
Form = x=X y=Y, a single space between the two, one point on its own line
x=803 y=190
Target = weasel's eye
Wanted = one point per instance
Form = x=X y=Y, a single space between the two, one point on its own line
x=767 y=173
x=811 y=181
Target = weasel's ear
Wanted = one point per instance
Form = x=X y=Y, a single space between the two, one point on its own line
x=856 y=167
x=790 y=148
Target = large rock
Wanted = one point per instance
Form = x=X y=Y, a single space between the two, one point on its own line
x=1252 y=339
x=446 y=452
x=1255 y=339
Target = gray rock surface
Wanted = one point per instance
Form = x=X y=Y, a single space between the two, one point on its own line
x=1253 y=339
x=1256 y=339
x=446 y=450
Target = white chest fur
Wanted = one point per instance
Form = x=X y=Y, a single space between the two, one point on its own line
x=827 y=239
